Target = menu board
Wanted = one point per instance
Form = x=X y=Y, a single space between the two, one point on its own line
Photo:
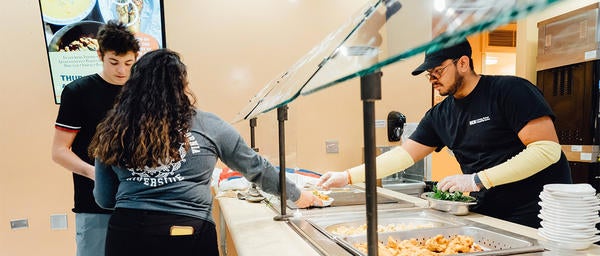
x=70 y=28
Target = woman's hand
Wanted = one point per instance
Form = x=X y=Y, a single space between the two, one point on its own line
x=308 y=199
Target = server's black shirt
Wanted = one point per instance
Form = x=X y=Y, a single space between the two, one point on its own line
x=481 y=130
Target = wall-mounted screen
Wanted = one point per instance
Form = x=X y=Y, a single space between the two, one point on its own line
x=70 y=28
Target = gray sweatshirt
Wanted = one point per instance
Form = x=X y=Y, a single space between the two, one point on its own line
x=183 y=187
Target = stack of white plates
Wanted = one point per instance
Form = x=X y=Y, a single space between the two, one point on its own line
x=569 y=215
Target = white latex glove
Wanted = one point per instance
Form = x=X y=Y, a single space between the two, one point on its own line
x=460 y=182
x=308 y=199
x=333 y=179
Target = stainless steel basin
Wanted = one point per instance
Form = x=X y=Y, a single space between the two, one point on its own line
x=315 y=228
x=493 y=242
x=387 y=220
x=403 y=185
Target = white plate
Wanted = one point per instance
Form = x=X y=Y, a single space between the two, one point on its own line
x=47 y=17
x=561 y=194
x=324 y=192
x=587 y=217
x=325 y=203
x=563 y=249
x=569 y=221
x=568 y=234
x=580 y=233
x=570 y=202
x=566 y=199
x=573 y=227
x=571 y=189
x=561 y=197
x=567 y=207
x=552 y=207
x=566 y=214
x=549 y=235
x=557 y=196
x=562 y=244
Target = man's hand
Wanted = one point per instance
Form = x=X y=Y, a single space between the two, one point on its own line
x=62 y=154
x=333 y=179
x=460 y=182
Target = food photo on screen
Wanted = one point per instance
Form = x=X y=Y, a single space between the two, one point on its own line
x=70 y=28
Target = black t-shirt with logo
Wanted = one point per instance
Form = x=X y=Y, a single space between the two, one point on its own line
x=481 y=130
x=84 y=103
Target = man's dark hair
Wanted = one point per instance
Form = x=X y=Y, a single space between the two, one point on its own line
x=114 y=36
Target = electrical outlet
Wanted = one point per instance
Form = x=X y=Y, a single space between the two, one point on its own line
x=58 y=221
x=332 y=146
x=19 y=224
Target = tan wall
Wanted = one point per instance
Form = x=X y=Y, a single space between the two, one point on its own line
x=336 y=112
x=31 y=186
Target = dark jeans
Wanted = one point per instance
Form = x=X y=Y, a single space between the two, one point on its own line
x=147 y=233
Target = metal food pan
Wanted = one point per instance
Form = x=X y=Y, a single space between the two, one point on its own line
x=492 y=241
x=420 y=218
x=384 y=215
x=403 y=224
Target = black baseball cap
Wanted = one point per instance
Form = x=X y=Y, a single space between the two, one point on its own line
x=434 y=59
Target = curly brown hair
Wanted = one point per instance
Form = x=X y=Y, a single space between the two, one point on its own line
x=147 y=125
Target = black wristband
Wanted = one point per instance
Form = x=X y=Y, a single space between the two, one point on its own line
x=478 y=182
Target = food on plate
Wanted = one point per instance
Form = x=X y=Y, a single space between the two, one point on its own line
x=438 y=245
x=325 y=199
x=128 y=12
x=139 y=4
x=321 y=195
x=451 y=196
x=84 y=43
x=64 y=9
x=346 y=230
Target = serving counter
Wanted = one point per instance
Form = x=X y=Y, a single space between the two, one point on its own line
x=249 y=229
x=373 y=38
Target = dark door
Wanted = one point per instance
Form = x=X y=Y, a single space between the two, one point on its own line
x=572 y=92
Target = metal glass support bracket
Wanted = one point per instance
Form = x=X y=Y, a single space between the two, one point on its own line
x=370 y=91
x=281 y=118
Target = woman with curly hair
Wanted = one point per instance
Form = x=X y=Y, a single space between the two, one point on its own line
x=155 y=153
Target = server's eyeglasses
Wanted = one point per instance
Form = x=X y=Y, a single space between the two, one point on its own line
x=439 y=72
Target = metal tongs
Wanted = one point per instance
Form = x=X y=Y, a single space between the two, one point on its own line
x=252 y=195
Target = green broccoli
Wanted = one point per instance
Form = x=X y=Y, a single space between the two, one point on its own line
x=450 y=196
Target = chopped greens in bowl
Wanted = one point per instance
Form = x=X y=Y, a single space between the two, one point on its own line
x=451 y=196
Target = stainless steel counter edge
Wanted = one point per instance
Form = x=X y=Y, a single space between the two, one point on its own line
x=254 y=232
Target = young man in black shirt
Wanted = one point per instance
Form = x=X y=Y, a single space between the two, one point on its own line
x=84 y=103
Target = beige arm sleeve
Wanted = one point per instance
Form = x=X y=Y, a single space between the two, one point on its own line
x=395 y=160
x=536 y=157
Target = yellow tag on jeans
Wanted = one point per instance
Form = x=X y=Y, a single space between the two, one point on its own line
x=182 y=230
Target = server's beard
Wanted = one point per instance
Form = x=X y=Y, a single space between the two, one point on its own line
x=458 y=83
